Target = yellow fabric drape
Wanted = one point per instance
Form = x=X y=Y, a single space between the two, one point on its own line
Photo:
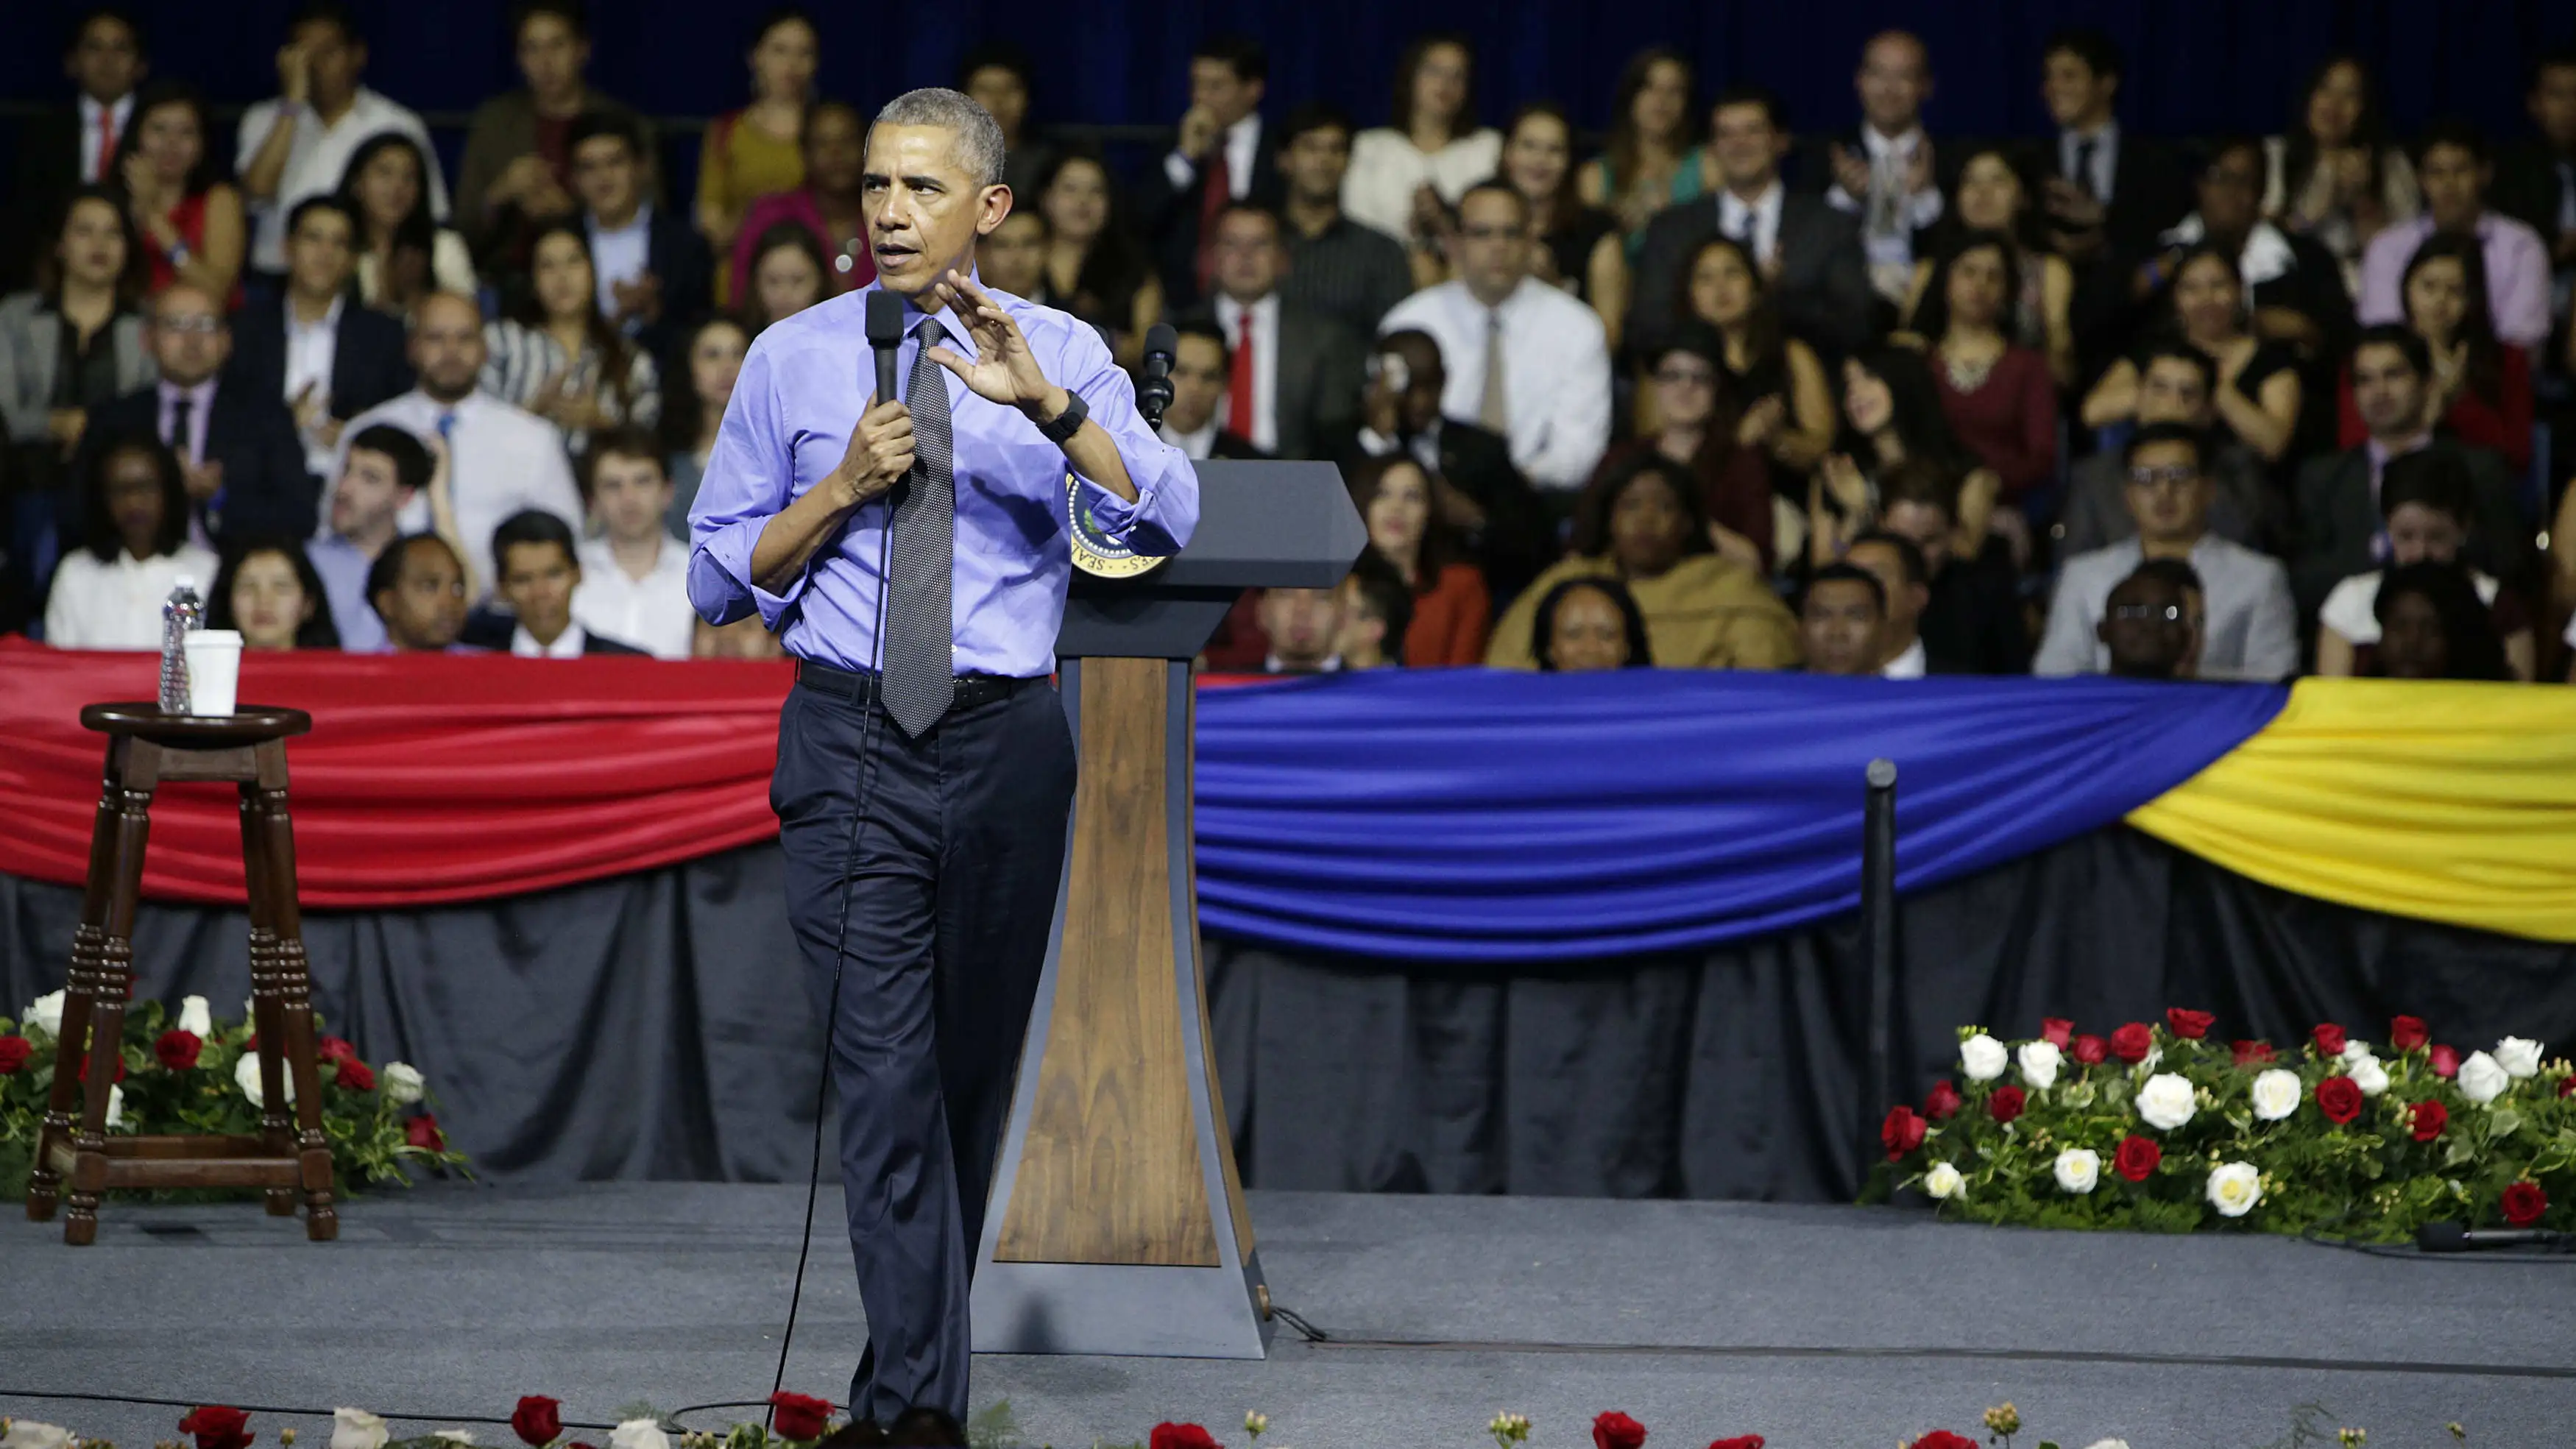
x=2446 y=802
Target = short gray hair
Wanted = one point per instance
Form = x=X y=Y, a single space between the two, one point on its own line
x=979 y=136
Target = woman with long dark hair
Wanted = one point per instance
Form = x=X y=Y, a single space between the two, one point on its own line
x=1093 y=262
x=1891 y=415
x=2257 y=398
x=1404 y=175
x=189 y=217
x=693 y=407
x=1653 y=159
x=2481 y=387
x=1993 y=195
x=403 y=253
x=2335 y=175
x=269 y=590
x=1578 y=244
x=107 y=593
x=558 y=357
x=1786 y=409
x=1998 y=395
x=788 y=274
x=1451 y=609
x=75 y=342
x=827 y=204
x=758 y=150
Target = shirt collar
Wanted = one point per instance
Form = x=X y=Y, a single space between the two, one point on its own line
x=1246 y=132
x=1197 y=444
x=642 y=220
x=2108 y=131
x=567 y=645
x=200 y=395
x=1902 y=144
x=330 y=317
x=1768 y=204
x=1911 y=664
x=2380 y=452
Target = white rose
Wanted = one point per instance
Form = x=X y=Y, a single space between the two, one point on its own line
x=115 y=1107
x=2354 y=1051
x=246 y=1077
x=638 y=1434
x=2483 y=1078
x=2039 y=1061
x=402 y=1083
x=2368 y=1075
x=2276 y=1094
x=28 y=1434
x=2519 y=1056
x=357 y=1429
x=1982 y=1058
x=2165 y=1101
x=45 y=1014
x=2234 y=1188
x=2078 y=1168
x=197 y=1017
x=455 y=1436
x=1943 y=1181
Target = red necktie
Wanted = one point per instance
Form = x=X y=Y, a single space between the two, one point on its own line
x=1216 y=189
x=1238 y=407
x=106 y=143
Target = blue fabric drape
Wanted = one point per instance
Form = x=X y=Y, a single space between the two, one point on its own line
x=1474 y=815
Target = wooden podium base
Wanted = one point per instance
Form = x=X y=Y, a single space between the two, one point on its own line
x=1117 y=1224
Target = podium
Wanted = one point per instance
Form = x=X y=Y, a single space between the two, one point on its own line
x=1117 y=1223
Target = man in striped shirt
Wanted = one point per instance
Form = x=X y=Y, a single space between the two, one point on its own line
x=1336 y=266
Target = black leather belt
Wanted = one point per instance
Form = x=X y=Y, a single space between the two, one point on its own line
x=860 y=686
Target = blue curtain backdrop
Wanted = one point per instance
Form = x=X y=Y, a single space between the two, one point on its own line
x=1474 y=815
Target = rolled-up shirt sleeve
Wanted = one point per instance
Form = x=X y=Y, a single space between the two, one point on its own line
x=750 y=479
x=1166 y=511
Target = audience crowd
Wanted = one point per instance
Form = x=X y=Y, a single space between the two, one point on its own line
x=1704 y=390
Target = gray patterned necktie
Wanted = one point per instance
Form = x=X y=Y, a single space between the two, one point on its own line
x=919 y=679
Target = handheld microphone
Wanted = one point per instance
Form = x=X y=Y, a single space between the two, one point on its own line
x=885 y=334
x=1155 y=393
x=2447 y=1237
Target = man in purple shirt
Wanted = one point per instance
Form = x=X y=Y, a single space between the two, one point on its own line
x=2454 y=169
x=913 y=556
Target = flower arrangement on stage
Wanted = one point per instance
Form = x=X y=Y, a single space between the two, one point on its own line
x=193 y=1074
x=2168 y=1128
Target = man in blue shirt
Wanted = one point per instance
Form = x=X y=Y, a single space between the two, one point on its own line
x=912 y=554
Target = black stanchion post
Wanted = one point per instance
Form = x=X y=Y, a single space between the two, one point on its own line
x=1878 y=933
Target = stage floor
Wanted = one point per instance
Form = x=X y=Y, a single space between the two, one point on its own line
x=1810 y=1326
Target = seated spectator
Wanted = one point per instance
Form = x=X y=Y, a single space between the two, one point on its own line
x=540 y=573
x=1304 y=626
x=267 y=589
x=2252 y=630
x=63 y=147
x=1482 y=497
x=635 y=575
x=1993 y=198
x=74 y=343
x=190 y=219
x=788 y=274
x=1094 y=266
x=827 y=204
x=2195 y=608
x=742 y=639
x=501 y=459
x=2295 y=288
x=559 y=357
x=1223 y=157
x=1377 y=613
x=1002 y=79
x=1784 y=408
x=2480 y=389
x=1352 y=273
x=1294 y=375
x=2335 y=176
x=1577 y=248
x=417 y=588
x=1840 y=620
x=2146 y=628
x=1999 y=397
x=2433 y=625
x=1972 y=617
x=518 y=169
x=2455 y=169
x=2258 y=382
x=383 y=470
x=1585 y=624
x=1891 y=414
x=1642 y=526
x=1402 y=174
x=2428 y=502
x=403 y=253
x=1536 y=366
x=2338 y=496
x=1695 y=426
x=237 y=446
x=327 y=359
x=1805 y=251
x=1012 y=257
x=2175 y=384
x=1654 y=159
x=134 y=549
x=313 y=136
x=2536 y=180
x=755 y=152
x=1905 y=584
x=1450 y=610
x=1202 y=382
x=652 y=265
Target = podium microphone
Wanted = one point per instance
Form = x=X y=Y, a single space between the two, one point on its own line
x=1155 y=393
x=885 y=334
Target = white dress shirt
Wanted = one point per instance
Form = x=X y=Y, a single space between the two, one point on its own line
x=1198 y=445
x=118 y=605
x=1556 y=372
x=1912 y=664
x=92 y=172
x=567 y=645
x=1387 y=168
x=652 y=613
x=619 y=255
x=502 y=460
x=312 y=349
x=1755 y=223
x=316 y=158
x=1265 y=362
x=1242 y=146
x=1890 y=214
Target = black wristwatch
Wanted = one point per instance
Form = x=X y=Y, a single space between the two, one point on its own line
x=1068 y=422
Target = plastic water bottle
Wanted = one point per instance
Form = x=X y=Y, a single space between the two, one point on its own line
x=182 y=612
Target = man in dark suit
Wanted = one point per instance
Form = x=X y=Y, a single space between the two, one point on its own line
x=653 y=271
x=1884 y=171
x=63 y=148
x=237 y=445
x=539 y=569
x=1201 y=372
x=1293 y=385
x=2338 y=495
x=2536 y=179
x=1507 y=527
x=2107 y=196
x=1810 y=252
x=314 y=348
x=1222 y=156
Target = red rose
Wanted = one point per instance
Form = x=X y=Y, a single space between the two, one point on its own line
x=2006 y=1103
x=799 y=1416
x=217 y=1427
x=2406 y=1033
x=1902 y=1132
x=2090 y=1050
x=2339 y=1099
x=2430 y=1119
x=2445 y=1060
x=1740 y=1441
x=2131 y=1043
x=538 y=1420
x=2137 y=1157
x=422 y=1132
x=2523 y=1203
x=2189 y=1025
x=251 y=1043
x=1181 y=1436
x=1615 y=1430
x=2057 y=1031
x=120 y=1068
x=178 y=1049
x=1944 y=1439
x=14 y=1051
x=355 y=1076
x=2567 y=1086
x=2252 y=1053
x=2329 y=1039
x=333 y=1049
x=1945 y=1101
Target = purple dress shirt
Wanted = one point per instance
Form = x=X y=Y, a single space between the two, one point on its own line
x=804 y=384
x=2517 y=276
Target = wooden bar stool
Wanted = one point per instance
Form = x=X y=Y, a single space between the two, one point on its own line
x=145 y=748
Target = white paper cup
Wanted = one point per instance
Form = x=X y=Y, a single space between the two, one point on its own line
x=214 y=670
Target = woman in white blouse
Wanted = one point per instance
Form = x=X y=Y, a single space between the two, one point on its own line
x=1401 y=175
x=402 y=251
x=108 y=594
x=559 y=358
